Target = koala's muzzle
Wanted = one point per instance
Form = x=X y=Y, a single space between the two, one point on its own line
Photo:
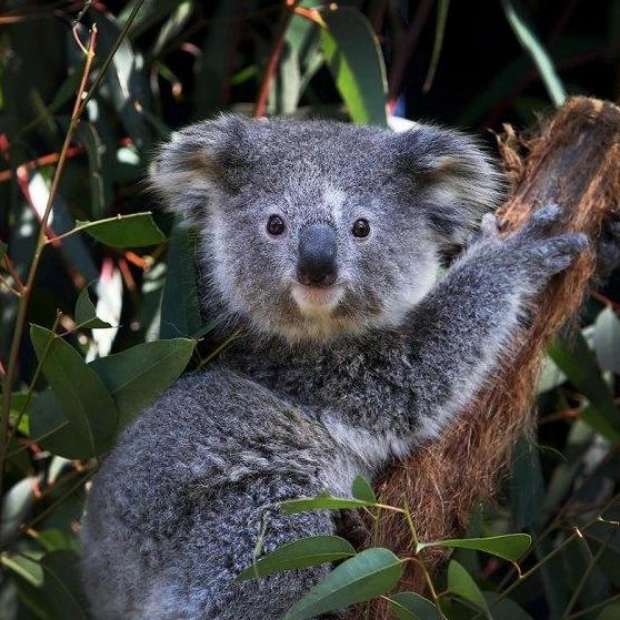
x=318 y=250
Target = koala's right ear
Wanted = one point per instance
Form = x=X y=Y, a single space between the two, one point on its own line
x=202 y=165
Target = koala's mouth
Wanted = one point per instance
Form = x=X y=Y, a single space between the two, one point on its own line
x=316 y=299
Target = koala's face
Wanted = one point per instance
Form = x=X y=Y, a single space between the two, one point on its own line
x=313 y=230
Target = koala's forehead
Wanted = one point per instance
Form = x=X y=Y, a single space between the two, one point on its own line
x=317 y=155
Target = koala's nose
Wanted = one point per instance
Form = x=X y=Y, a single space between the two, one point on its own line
x=318 y=249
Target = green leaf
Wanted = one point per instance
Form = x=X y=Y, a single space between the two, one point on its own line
x=607 y=340
x=50 y=429
x=126 y=81
x=610 y=612
x=136 y=377
x=301 y=553
x=579 y=364
x=354 y=58
x=526 y=486
x=62 y=584
x=322 y=502
x=365 y=576
x=86 y=403
x=509 y=547
x=412 y=606
x=362 y=490
x=462 y=584
x=123 y=231
x=506 y=608
x=212 y=79
x=151 y=12
x=85 y=314
x=3 y=247
x=180 y=311
x=173 y=26
x=440 y=31
x=100 y=177
x=24 y=565
x=532 y=45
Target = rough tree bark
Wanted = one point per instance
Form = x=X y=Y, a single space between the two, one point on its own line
x=574 y=161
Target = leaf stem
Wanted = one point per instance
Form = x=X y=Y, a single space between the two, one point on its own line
x=587 y=572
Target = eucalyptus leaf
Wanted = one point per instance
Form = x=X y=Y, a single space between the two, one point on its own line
x=62 y=585
x=461 y=583
x=578 y=362
x=362 y=490
x=123 y=231
x=509 y=547
x=85 y=313
x=367 y=575
x=180 y=310
x=326 y=502
x=301 y=553
x=136 y=377
x=87 y=405
x=354 y=58
x=412 y=606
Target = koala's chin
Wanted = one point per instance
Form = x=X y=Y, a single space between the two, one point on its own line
x=317 y=302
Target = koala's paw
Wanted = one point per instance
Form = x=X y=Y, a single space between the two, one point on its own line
x=542 y=252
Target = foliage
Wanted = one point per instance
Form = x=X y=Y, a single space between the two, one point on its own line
x=99 y=309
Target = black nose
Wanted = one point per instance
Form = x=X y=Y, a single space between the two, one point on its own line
x=318 y=249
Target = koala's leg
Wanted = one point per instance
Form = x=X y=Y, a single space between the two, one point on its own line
x=459 y=331
x=189 y=497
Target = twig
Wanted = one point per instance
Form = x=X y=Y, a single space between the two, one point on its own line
x=274 y=59
x=20 y=320
x=401 y=60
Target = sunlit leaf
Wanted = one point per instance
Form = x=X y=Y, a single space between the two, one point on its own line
x=607 y=340
x=532 y=45
x=354 y=58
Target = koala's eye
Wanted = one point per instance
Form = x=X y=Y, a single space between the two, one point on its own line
x=360 y=228
x=275 y=225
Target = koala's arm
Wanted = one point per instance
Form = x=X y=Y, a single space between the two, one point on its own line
x=405 y=388
x=459 y=333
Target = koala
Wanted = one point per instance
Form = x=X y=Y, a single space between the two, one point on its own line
x=320 y=245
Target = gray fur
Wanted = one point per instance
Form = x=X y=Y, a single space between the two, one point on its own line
x=328 y=381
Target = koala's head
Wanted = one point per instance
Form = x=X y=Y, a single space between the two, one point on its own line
x=314 y=229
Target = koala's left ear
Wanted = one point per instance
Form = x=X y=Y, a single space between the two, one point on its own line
x=203 y=166
x=452 y=177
